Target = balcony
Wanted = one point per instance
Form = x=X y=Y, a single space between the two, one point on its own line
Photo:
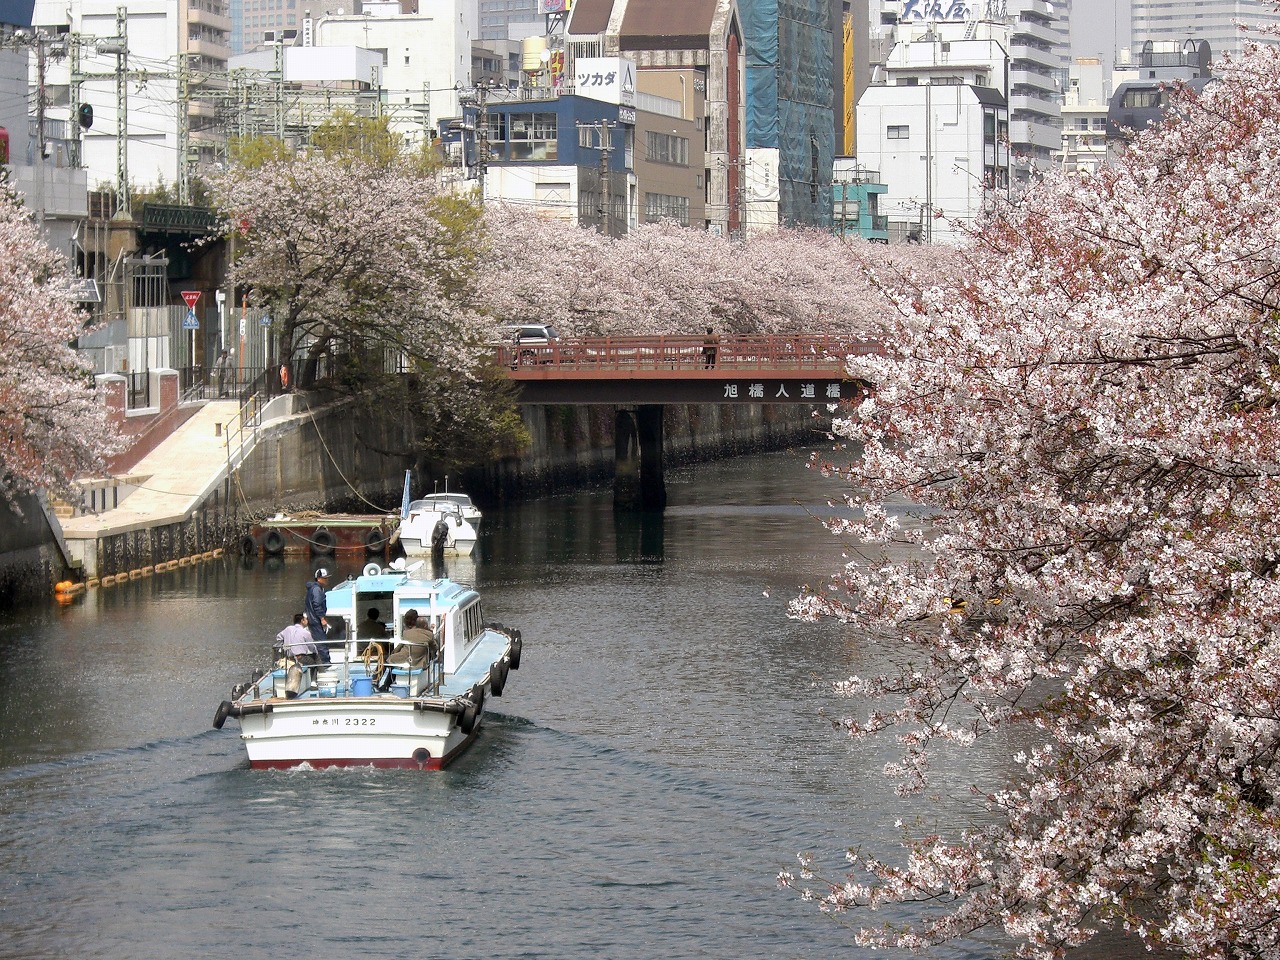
x=1031 y=79
x=206 y=13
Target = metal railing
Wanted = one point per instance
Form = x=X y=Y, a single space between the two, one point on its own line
x=669 y=355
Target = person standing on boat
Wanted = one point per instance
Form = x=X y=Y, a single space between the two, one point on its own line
x=316 y=608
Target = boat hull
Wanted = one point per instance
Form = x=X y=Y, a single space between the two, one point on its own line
x=381 y=731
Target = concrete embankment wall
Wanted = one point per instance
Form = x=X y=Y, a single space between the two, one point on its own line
x=333 y=458
x=330 y=459
x=31 y=560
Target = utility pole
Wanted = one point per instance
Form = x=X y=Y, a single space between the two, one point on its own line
x=124 y=209
x=40 y=135
x=184 y=130
x=603 y=143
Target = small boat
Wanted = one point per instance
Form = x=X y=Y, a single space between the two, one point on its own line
x=444 y=524
x=361 y=709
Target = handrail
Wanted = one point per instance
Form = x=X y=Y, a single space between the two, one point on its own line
x=733 y=352
x=246 y=421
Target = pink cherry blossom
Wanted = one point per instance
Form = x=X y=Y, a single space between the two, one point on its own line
x=53 y=422
x=1088 y=411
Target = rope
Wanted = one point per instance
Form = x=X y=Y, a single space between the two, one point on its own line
x=350 y=486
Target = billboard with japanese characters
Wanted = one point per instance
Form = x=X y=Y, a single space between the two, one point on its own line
x=609 y=79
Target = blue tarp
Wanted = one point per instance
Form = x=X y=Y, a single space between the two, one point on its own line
x=793 y=108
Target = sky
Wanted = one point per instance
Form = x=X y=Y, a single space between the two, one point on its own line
x=1094 y=25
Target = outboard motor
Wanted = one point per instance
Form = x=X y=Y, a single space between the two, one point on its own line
x=439 y=536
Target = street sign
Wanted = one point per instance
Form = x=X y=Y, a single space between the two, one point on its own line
x=192 y=297
x=189 y=322
x=265 y=321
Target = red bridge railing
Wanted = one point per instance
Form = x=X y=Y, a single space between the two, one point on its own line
x=683 y=356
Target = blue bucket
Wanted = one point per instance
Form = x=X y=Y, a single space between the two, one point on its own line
x=401 y=690
x=362 y=687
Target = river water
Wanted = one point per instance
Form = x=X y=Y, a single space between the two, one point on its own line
x=658 y=758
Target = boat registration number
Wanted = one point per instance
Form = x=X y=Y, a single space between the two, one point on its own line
x=346 y=722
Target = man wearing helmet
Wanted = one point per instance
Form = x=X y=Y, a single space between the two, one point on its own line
x=316 y=608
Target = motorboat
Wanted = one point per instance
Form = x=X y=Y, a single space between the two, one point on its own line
x=450 y=501
x=440 y=524
x=363 y=708
x=431 y=528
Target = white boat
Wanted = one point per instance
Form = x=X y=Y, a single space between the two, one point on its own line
x=352 y=712
x=440 y=523
x=430 y=526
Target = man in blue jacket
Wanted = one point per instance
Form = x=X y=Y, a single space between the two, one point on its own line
x=316 y=608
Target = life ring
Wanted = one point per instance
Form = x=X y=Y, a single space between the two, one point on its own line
x=498 y=677
x=273 y=542
x=374 y=541
x=221 y=714
x=284 y=376
x=373 y=652
x=322 y=541
x=248 y=545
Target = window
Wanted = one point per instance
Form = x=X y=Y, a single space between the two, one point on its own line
x=667 y=148
x=532 y=135
x=898 y=132
x=661 y=206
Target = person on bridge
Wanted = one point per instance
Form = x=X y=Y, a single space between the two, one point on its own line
x=709 y=349
x=222 y=367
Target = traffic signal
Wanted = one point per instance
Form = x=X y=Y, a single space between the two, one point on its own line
x=85 y=115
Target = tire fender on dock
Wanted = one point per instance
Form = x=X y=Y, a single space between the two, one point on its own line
x=323 y=541
x=273 y=543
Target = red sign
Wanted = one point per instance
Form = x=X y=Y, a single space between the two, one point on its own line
x=192 y=297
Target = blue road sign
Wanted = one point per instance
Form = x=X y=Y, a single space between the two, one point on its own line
x=190 y=322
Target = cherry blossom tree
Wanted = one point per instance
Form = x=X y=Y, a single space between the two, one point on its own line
x=663 y=279
x=362 y=250
x=53 y=422
x=1089 y=412
x=356 y=246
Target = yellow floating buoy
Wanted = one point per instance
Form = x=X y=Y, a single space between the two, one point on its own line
x=93 y=582
x=108 y=580
x=146 y=571
x=183 y=561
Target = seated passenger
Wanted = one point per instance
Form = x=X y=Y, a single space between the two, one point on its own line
x=373 y=628
x=419 y=646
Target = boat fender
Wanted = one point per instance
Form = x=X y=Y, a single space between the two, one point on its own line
x=248 y=708
x=221 y=714
x=323 y=541
x=372 y=569
x=273 y=542
x=513 y=654
x=498 y=677
x=248 y=545
x=467 y=722
x=374 y=540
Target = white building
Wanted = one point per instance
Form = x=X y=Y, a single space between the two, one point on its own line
x=1023 y=59
x=426 y=57
x=1084 y=117
x=940 y=149
x=1213 y=21
x=40 y=168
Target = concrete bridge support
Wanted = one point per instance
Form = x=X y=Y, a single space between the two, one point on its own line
x=638 y=483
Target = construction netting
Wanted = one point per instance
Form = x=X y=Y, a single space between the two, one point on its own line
x=791 y=99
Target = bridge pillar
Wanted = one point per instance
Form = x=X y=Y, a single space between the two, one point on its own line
x=638 y=483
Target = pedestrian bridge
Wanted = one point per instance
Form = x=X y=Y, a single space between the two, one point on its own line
x=638 y=375
x=702 y=369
